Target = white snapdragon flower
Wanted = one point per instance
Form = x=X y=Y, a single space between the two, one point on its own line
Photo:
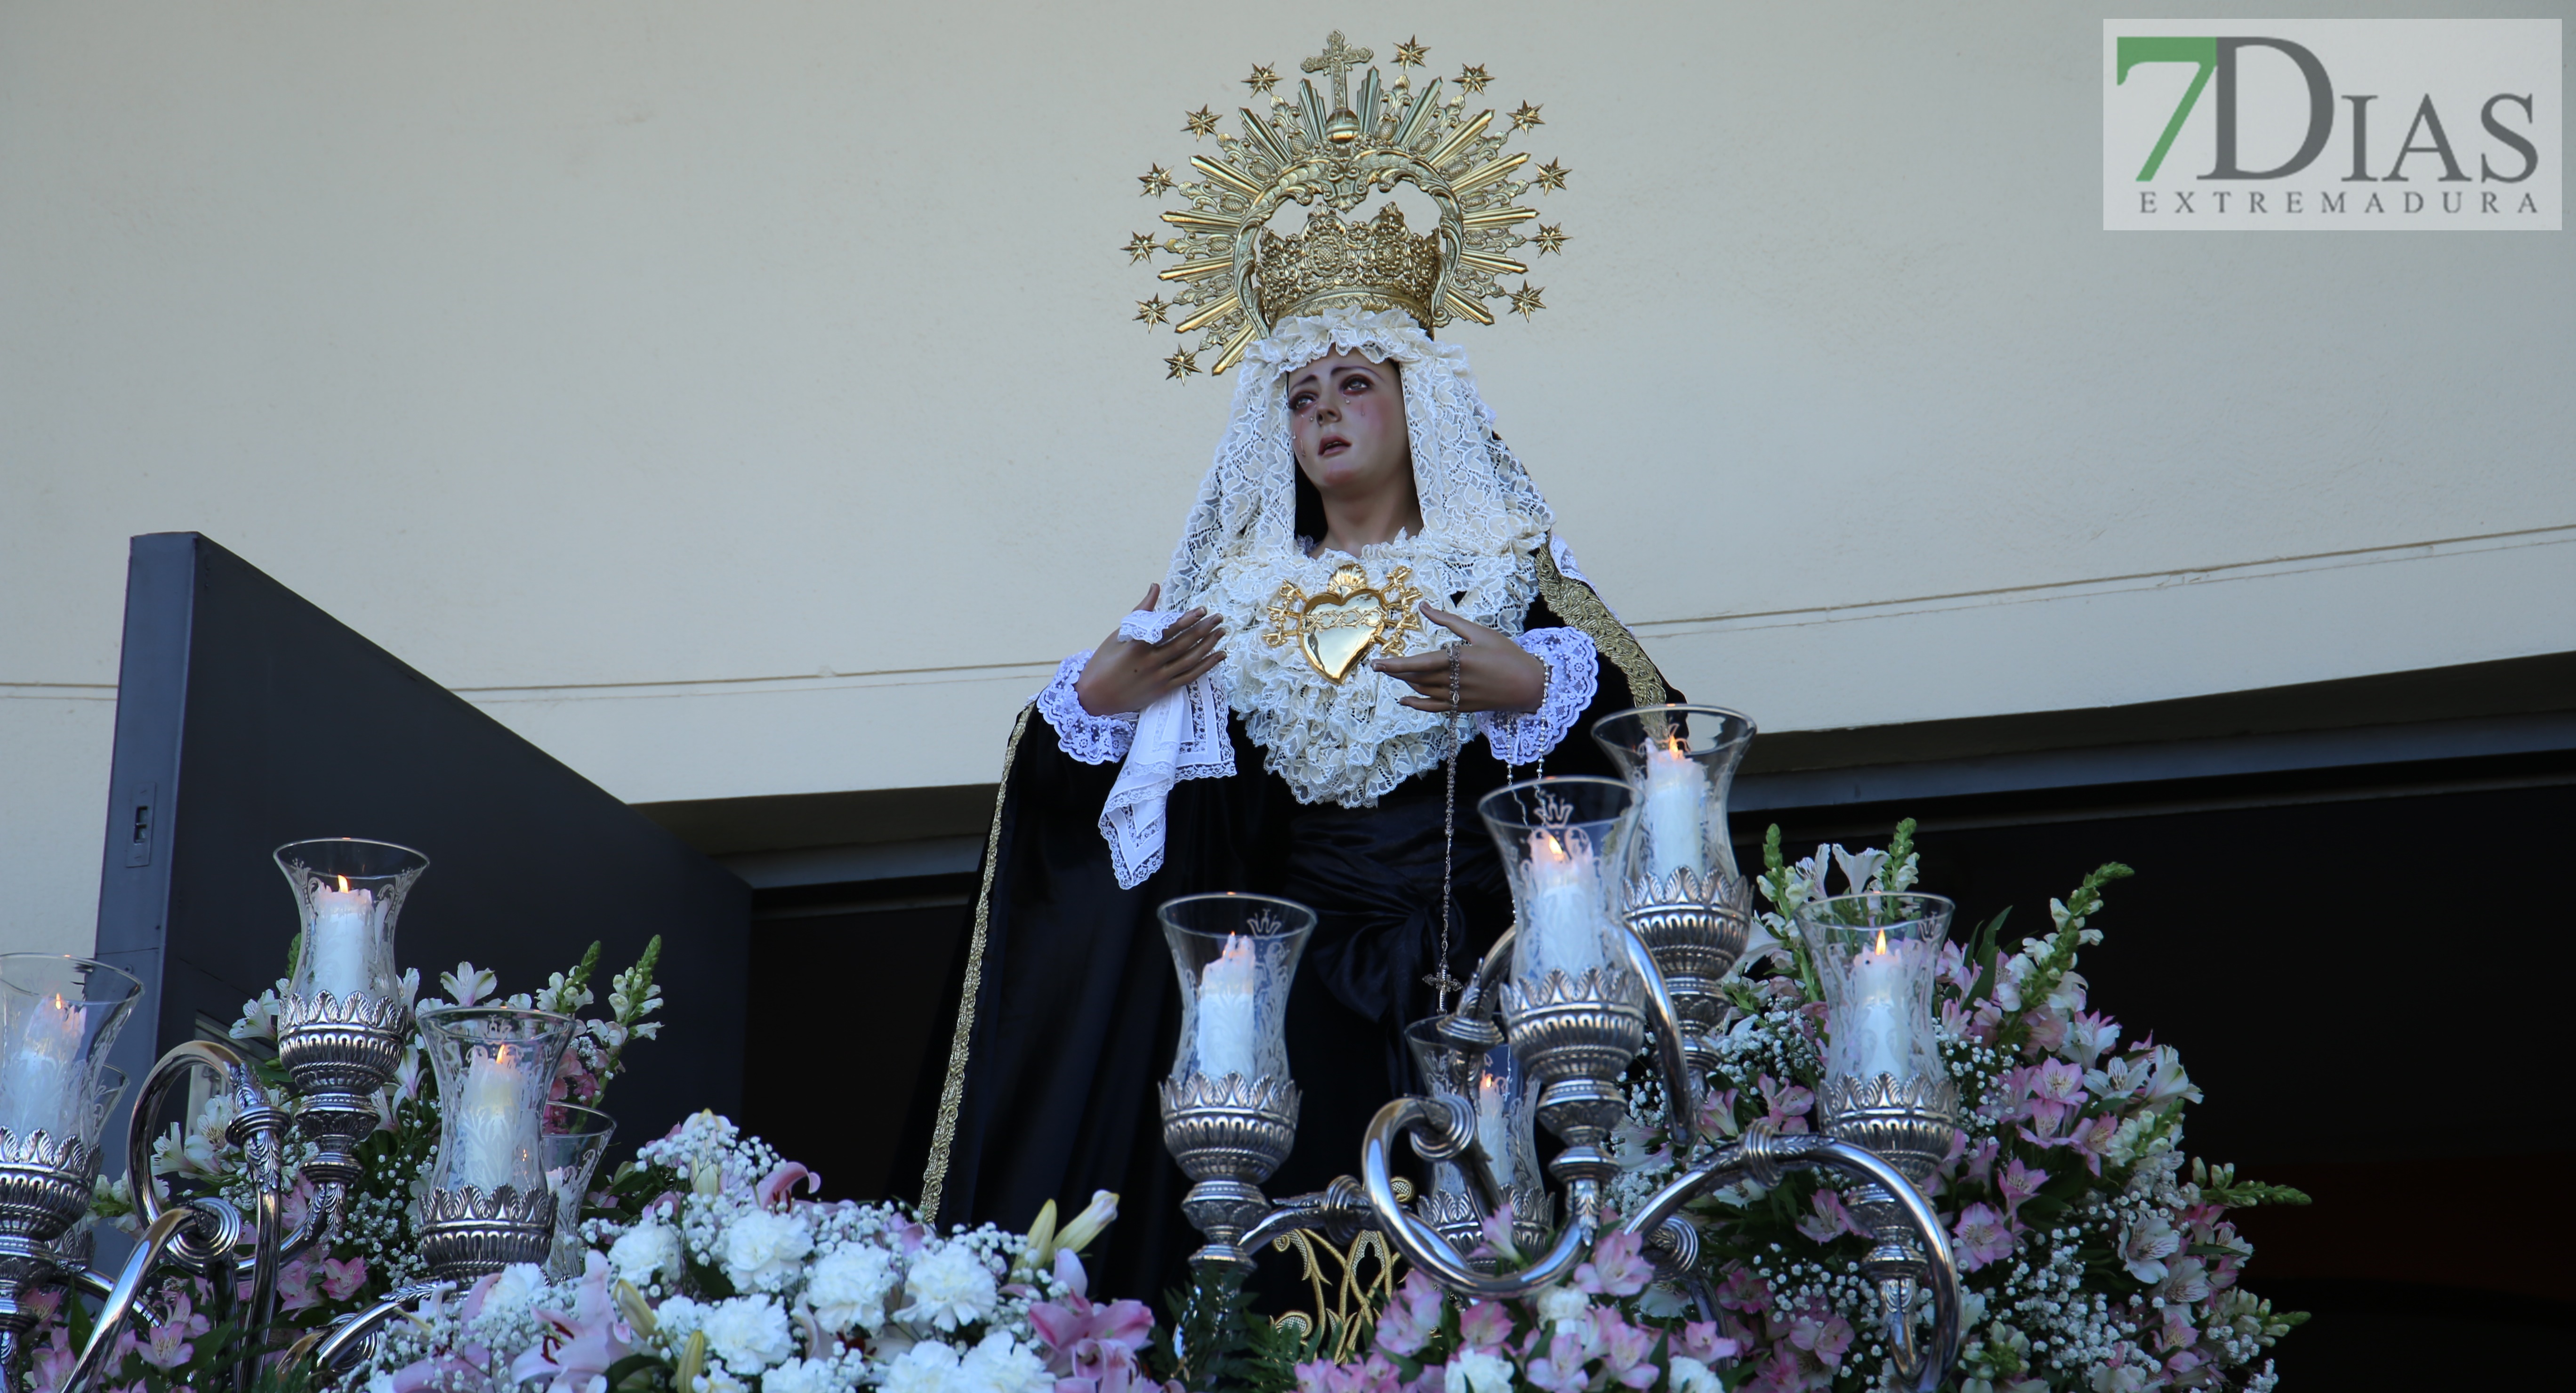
x=1476 y=1371
x=764 y=1251
x=1560 y=1307
x=645 y=1253
x=949 y=1287
x=1003 y=1365
x=749 y=1333
x=849 y=1286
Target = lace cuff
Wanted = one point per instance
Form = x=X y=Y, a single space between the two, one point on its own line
x=1573 y=677
x=1088 y=738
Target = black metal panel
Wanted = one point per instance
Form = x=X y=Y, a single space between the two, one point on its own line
x=248 y=718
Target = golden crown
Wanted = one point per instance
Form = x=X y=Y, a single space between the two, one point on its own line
x=1237 y=277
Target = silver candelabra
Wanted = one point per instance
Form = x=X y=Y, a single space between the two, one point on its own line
x=1538 y=1011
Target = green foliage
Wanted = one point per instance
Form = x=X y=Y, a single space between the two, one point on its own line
x=1208 y=1341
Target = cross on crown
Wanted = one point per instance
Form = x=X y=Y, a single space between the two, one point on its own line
x=1338 y=58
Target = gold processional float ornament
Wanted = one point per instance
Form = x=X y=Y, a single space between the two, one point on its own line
x=1237 y=277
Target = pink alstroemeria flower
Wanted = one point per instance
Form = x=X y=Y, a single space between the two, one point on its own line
x=166 y=1346
x=1701 y=1341
x=1374 y=1375
x=2092 y=1140
x=1980 y=1237
x=1618 y=1266
x=1742 y=1291
x=2019 y=1183
x=1561 y=1369
x=1485 y=1326
x=1625 y=1349
x=1784 y=1372
x=1830 y=1221
x=341 y=1280
x=1788 y=1104
x=579 y=1347
x=295 y=1286
x=1823 y=1334
x=1412 y=1317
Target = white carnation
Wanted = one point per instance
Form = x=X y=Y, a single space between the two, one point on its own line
x=928 y=1367
x=1477 y=1371
x=646 y=1253
x=1691 y=1376
x=749 y=1333
x=949 y=1287
x=677 y=1319
x=511 y=1293
x=1003 y=1365
x=800 y=1376
x=763 y=1251
x=849 y=1287
x=1563 y=1306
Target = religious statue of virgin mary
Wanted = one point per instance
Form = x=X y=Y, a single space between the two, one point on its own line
x=1368 y=624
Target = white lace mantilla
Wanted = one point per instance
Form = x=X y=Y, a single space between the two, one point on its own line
x=1573 y=679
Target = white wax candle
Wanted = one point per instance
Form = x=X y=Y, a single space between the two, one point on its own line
x=1676 y=810
x=1877 y=1014
x=1564 y=902
x=343 y=927
x=495 y=1130
x=1227 y=1030
x=1494 y=1125
x=39 y=1086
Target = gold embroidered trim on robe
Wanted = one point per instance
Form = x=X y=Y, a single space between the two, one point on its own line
x=952 y=1094
x=1575 y=603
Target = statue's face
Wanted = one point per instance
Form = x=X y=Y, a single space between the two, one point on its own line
x=1347 y=417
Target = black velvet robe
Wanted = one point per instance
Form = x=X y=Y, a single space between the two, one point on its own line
x=1070 y=1002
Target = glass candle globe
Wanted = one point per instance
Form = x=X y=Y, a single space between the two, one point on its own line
x=348 y=892
x=1236 y=956
x=1562 y=841
x=1681 y=760
x=58 y=1018
x=495 y=1066
x=1877 y=956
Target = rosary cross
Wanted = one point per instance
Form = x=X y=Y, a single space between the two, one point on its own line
x=1339 y=58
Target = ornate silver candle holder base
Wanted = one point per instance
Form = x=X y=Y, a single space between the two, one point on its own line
x=1694 y=927
x=466 y=1233
x=1576 y=1036
x=1228 y=1135
x=1460 y=1219
x=1909 y=1123
x=44 y=1190
x=339 y=1053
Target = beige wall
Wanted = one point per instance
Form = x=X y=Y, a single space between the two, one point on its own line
x=740 y=399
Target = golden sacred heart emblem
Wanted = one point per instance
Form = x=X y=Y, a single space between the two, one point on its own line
x=1338 y=625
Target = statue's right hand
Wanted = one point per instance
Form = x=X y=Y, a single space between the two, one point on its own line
x=1127 y=674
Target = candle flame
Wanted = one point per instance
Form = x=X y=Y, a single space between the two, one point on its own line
x=344 y=885
x=1881 y=949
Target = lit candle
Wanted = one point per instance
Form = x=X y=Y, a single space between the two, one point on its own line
x=1494 y=1125
x=1676 y=809
x=1226 y=1028
x=1564 y=902
x=39 y=1087
x=343 y=926
x=496 y=1132
x=1884 y=1044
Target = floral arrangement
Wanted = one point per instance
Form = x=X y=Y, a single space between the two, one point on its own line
x=2096 y=1255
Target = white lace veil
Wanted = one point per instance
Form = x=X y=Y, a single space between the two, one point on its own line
x=1352 y=741
x=1476 y=498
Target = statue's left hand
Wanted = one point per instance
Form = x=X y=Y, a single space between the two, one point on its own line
x=1494 y=673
